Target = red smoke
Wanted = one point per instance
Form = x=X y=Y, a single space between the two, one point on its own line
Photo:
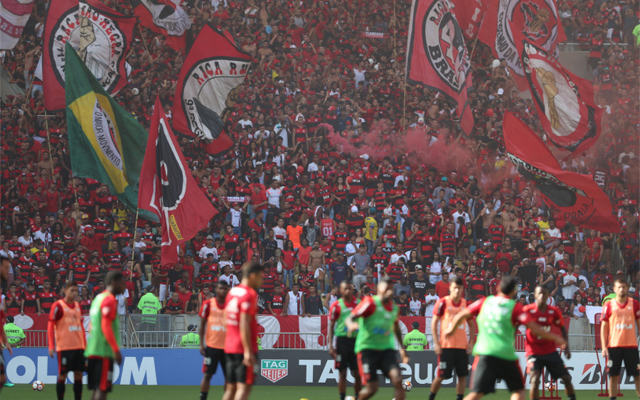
x=445 y=154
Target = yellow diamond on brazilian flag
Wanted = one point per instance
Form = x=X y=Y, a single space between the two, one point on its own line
x=106 y=143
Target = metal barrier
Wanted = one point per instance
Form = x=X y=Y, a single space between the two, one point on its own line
x=293 y=340
x=38 y=338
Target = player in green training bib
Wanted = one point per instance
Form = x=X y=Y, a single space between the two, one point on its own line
x=103 y=346
x=497 y=320
x=378 y=331
x=343 y=350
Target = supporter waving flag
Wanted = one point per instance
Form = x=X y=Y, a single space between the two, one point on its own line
x=437 y=56
x=168 y=189
x=100 y=36
x=105 y=142
x=564 y=101
x=577 y=197
x=207 y=89
x=537 y=20
x=165 y=17
x=14 y=15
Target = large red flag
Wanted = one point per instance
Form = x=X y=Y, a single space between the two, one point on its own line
x=537 y=20
x=577 y=197
x=168 y=189
x=207 y=89
x=101 y=37
x=165 y=17
x=437 y=56
x=565 y=102
x=469 y=14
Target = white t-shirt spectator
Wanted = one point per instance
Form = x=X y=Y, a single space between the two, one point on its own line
x=428 y=311
x=456 y=215
x=236 y=218
x=414 y=307
x=231 y=280
x=294 y=307
x=122 y=302
x=312 y=167
x=554 y=233
x=26 y=243
x=350 y=248
x=280 y=235
x=206 y=250
x=568 y=291
x=434 y=268
x=44 y=236
x=273 y=196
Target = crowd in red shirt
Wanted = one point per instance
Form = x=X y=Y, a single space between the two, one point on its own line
x=287 y=188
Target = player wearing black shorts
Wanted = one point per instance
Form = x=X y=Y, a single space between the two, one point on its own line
x=453 y=352
x=343 y=353
x=66 y=330
x=497 y=318
x=213 y=332
x=619 y=332
x=542 y=353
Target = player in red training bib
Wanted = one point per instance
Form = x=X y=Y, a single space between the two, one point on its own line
x=241 y=342
x=541 y=353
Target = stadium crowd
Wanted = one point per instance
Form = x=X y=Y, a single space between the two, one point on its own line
x=312 y=213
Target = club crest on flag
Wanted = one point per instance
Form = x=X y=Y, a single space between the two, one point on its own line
x=537 y=20
x=206 y=111
x=174 y=20
x=171 y=177
x=98 y=40
x=571 y=120
x=445 y=44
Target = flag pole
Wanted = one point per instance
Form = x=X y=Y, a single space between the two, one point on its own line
x=144 y=41
x=135 y=231
x=473 y=48
x=46 y=128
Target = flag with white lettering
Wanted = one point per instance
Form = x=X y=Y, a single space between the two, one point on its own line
x=14 y=15
x=537 y=20
x=576 y=197
x=165 y=17
x=100 y=36
x=106 y=143
x=207 y=89
x=565 y=102
x=437 y=56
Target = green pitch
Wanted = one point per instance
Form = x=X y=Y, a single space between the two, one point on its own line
x=25 y=392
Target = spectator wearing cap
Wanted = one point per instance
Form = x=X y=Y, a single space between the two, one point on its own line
x=207 y=249
x=448 y=192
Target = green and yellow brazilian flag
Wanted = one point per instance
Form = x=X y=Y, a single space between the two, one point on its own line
x=106 y=143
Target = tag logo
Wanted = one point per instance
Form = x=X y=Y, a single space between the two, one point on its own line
x=274 y=370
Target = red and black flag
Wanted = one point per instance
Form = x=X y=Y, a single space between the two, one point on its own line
x=168 y=189
x=165 y=17
x=469 y=14
x=537 y=20
x=437 y=56
x=565 y=102
x=207 y=89
x=99 y=35
x=576 y=197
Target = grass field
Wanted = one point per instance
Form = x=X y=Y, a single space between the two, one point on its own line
x=24 y=392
